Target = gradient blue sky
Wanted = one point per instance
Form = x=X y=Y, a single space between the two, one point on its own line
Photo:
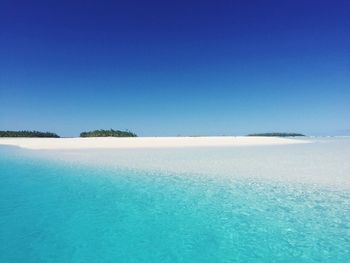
x=175 y=67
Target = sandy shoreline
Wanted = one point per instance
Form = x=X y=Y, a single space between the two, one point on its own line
x=143 y=142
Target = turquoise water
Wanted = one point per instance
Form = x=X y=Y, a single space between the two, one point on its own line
x=53 y=210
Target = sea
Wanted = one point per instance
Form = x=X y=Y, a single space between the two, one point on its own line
x=282 y=203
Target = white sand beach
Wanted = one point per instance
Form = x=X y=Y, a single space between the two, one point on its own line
x=144 y=142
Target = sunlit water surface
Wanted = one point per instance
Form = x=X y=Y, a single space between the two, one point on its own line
x=243 y=204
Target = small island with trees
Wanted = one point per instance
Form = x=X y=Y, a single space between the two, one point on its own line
x=277 y=134
x=108 y=133
x=28 y=134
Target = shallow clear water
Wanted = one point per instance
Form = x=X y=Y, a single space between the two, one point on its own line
x=198 y=205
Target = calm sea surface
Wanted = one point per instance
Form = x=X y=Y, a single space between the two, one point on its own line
x=244 y=204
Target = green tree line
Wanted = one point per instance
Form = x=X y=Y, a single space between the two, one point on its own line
x=108 y=133
x=37 y=134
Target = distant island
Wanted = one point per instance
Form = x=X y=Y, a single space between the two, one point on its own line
x=30 y=134
x=108 y=133
x=277 y=134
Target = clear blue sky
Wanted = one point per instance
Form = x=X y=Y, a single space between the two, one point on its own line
x=175 y=67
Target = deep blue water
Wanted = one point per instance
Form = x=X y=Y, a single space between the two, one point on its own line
x=57 y=211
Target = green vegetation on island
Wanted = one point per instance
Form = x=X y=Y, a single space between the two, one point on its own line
x=277 y=134
x=28 y=134
x=108 y=133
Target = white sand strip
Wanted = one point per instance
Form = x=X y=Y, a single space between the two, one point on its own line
x=143 y=142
